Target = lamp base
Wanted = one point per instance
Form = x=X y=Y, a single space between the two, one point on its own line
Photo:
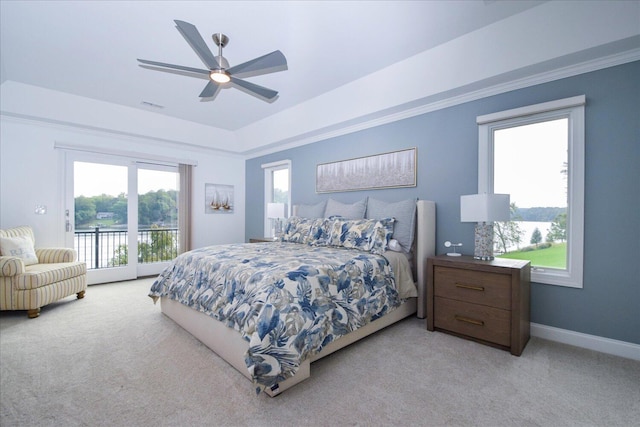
x=483 y=242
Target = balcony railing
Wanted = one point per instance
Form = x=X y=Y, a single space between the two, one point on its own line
x=108 y=247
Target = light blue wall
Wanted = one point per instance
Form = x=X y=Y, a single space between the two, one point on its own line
x=447 y=140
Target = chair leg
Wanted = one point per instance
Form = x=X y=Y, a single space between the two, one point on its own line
x=80 y=294
x=33 y=313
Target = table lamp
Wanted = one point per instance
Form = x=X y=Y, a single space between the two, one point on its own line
x=275 y=212
x=484 y=209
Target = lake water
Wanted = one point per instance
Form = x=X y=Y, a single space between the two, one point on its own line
x=528 y=227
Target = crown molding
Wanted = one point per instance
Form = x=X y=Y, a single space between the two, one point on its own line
x=102 y=132
x=519 y=83
x=391 y=115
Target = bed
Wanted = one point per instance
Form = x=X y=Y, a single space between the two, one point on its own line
x=285 y=304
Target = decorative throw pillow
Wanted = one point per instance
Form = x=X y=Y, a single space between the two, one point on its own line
x=319 y=232
x=339 y=233
x=382 y=231
x=19 y=246
x=311 y=231
x=296 y=230
x=353 y=211
x=311 y=211
x=403 y=211
x=369 y=235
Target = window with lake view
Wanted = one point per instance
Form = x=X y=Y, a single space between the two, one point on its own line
x=536 y=155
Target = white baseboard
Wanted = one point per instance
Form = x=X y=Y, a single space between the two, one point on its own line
x=591 y=342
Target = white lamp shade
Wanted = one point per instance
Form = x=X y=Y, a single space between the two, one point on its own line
x=275 y=210
x=485 y=208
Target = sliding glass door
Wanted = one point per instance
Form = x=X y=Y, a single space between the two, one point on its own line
x=158 y=238
x=121 y=215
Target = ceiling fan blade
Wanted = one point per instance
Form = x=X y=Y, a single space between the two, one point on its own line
x=269 y=63
x=255 y=89
x=210 y=90
x=175 y=67
x=195 y=40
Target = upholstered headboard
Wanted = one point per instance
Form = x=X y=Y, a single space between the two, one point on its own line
x=425 y=247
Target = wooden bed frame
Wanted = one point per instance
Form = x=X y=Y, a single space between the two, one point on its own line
x=229 y=345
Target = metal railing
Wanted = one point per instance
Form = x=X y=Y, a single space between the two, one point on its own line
x=108 y=247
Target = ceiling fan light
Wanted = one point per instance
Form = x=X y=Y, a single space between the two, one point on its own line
x=219 y=76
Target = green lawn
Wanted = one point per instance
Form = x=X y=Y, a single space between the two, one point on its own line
x=553 y=257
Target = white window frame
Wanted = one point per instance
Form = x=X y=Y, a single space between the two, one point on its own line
x=573 y=109
x=269 y=168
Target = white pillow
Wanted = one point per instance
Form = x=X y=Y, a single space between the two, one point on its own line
x=19 y=246
x=394 y=245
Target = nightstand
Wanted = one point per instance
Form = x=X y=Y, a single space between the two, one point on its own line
x=485 y=301
x=261 y=239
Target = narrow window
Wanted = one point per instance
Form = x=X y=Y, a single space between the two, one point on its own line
x=277 y=184
x=536 y=154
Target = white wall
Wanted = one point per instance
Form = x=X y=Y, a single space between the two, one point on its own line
x=32 y=172
x=45 y=105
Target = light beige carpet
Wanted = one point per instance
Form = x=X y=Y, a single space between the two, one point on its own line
x=112 y=359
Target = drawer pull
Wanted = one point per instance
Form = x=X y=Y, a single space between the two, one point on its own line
x=472 y=287
x=468 y=320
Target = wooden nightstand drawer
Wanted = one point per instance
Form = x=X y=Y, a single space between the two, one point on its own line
x=490 y=289
x=479 y=321
x=486 y=301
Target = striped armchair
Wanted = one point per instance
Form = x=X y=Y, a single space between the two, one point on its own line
x=31 y=278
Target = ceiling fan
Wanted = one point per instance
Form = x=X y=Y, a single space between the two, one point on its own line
x=219 y=73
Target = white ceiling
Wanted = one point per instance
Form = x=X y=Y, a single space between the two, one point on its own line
x=89 y=49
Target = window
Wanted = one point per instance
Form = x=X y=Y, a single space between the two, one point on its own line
x=277 y=183
x=536 y=154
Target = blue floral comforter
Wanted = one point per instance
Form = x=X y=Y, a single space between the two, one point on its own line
x=287 y=300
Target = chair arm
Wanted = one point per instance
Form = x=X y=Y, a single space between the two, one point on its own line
x=11 y=266
x=52 y=255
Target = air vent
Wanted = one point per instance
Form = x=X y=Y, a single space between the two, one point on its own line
x=151 y=104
